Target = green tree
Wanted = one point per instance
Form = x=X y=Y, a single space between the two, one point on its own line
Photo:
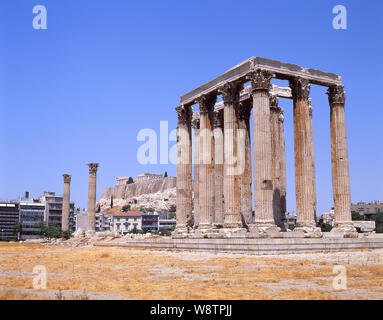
x=126 y=208
x=166 y=174
x=130 y=180
x=325 y=227
x=17 y=228
x=111 y=201
x=355 y=216
x=149 y=210
x=378 y=218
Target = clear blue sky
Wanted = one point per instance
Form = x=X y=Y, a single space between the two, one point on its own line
x=81 y=90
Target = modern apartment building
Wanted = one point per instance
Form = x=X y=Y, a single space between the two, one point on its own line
x=53 y=210
x=367 y=209
x=9 y=217
x=31 y=213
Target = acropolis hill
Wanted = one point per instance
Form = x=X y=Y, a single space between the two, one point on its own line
x=156 y=192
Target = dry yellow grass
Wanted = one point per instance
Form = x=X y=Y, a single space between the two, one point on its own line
x=143 y=274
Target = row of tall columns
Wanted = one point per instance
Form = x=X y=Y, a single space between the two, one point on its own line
x=222 y=172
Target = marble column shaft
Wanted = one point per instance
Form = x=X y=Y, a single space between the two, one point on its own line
x=206 y=166
x=245 y=179
x=311 y=129
x=66 y=203
x=230 y=95
x=92 y=195
x=184 y=163
x=263 y=184
x=283 y=182
x=218 y=168
x=196 y=127
x=303 y=150
x=339 y=157
x=276 y=159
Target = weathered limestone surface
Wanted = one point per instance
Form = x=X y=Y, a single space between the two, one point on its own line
x=92 y=196
x=184 y=162
x=276 y=160
x=339 y=160
x=263 y=184
x=66 y=203
x=218 y=168
x=206 y=166
x=230 y=95
x=245 y=179
x=283 y=183
x=303 y=157
x=196 y=127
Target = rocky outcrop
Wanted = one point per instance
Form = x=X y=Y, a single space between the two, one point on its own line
x=159 y=194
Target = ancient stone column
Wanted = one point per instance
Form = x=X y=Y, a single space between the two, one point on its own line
x=206 y=166
x=184 y=163
x=66 y=203
x=263 y=176
x=230 y=95
x=311 y=129
x=245 y=179
x=196 y=128
x=339 y=160
x=276 y=160
x=304 y=187
x=92 y=196
x=218 y=168
x=283 y=183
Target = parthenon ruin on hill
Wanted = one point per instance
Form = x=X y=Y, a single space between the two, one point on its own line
x=222 y=197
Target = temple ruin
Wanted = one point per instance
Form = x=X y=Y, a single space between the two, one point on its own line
x=223 y=146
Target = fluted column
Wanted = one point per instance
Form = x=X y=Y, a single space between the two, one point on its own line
x=230 y=95
x=263 y=178
x=92 y=195
x=276 y=160
x=245 y=179
x=206 y=167
x=196 y=128
x=304 y=187
x=339 y=160
x=66 y=203
x=283 y=182
x=218 y=168
x=184 y=163
x=311 y=129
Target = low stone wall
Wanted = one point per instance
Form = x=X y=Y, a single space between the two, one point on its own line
x=256 y=246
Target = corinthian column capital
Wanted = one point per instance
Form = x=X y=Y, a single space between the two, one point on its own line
x=184 y=114
x=67 y=178
x=93 y=168
x=273 y=102
x=336 y=95
x=260 y=79
x=230 y=92
x=300 y=88
x=206 y=103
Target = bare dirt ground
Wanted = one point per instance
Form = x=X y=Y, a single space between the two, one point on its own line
x=123 y=273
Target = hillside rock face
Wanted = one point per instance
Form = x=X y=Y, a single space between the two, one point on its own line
x=159 y=194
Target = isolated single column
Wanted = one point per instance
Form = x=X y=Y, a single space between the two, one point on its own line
x=92 y=195
x=339 y=159
x=66 y=203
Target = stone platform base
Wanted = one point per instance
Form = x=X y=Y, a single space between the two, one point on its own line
x=260 y=246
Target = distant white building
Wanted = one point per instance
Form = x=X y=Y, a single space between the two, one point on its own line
x=125 y=222
x=328 y=217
